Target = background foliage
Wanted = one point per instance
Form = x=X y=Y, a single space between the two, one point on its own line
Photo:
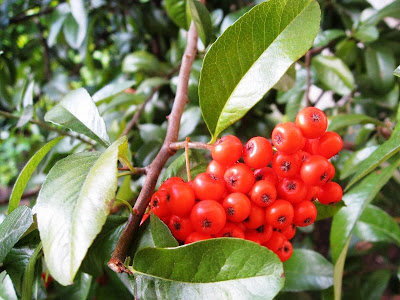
x=127 y=57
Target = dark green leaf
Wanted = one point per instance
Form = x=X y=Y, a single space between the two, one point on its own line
x=236 y=71
x=356 y=201
x=376 y=225
x=140 y=61
x=383 y=153
x=367 y=33
x=325 y=37
x=57 y=21
x=27 y=105
x=75 y=26
x=78 y=112
x=154 y=234
x=338 y=271
x=176 y=10
x=391 y=10
x=27 y=172
x=7 y=291
x=12 y=229
x=79 y=290
x=201 y=19
x=212 y=269
x=29 y=274
x=374 y=284
x=380 y=63
x=287 y=81
x=334 y=74
x=307 y=270
x=189 y=121
x=351 y=164
x=343 y=121
x=68 y=224
x=111 y=89
x=327 y=211
x=103 y=246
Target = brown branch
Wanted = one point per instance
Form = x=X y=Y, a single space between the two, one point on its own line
x=24 y=17
x=116 y=263
x=45 y=126
x=192 y=145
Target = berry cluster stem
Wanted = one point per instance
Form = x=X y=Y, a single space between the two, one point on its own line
x=116 y=263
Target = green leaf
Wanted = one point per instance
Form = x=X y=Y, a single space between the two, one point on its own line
x=202 y=20
x=356 y=200
x=383 y=153
x=334 y=74
x=212 y=269
x=338 y=271
x=380 y=63
x=374 y=284
x=78 y=112
x=12 y=229
x=367 y=33
x=29 y=274
x=376 y=225
x=327 y=211
x=103 y=246
x=250 y=57
x=307 y=270
x=140 y=61
x=391 y=10
x=397 y=72
x=27 y=105
x=287 y=81
x=189 y=121
x=7 y=291
x=27 y=172
x=111 y=89
x=68 y=224
x=57 y=20
x=343 y=121
x=79 y=290
x=75 y=25
x=325 y=37
x=176 y=10
x=154 y=234
x=351 y=164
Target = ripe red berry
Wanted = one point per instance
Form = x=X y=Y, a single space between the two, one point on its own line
x=290 y=231
x=208 y=216
x=328 y=145
x=159 y=203
x=196 y=236
x=287 y=138
x=181 y=199
x=286 y=165
x=330 y=193
x=231 y=230
x=312 y=193
x=208 y=187
x=180 y=227
x=170 y=181
x=315 y=171
x=257 y=152
x=216 y=169
x=227 y=150
x=261 y=234
x=237 y=207
x=292 y=189
x=263 y=193
x=285 y=251
x=312 y=122
x=266 y=174
x=279 y=214
x=303 y=155
x=305 y=213
x=256 y=217
x=275 y=241
x=239 y=178
x=308 y=146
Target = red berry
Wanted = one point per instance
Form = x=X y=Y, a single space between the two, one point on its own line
x=286 y=165
x=266 y=174
x=292 y=189
x=290 y=231
x=239 y=178
x=257 y=152
x=208 y=187
x=231 y=230
x=159 y=203
x=328 y=145
x=287 y=138
x=285 y=251
x=180 y=227
x=196 y=236
x=303 y=155
x=305 y=213
x=315 y=171
x=216 y=168
x=256 y=217
x=263 y=193
x=279 y=214
x=312 y=122
x=275 y=241
x=170 y=181
x=262 y=233
x=181 y=199
x=308 y=146
x=237 y=207
x=312 y=193
x=227 y=150
x=208 y=216
x=330 y=193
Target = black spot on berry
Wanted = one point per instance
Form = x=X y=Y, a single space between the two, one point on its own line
x=206 y=223
x=177 y=226
x=291 y=186
x=285 y=167
x=278 y=139
x=282 y=219
x=265 y=198
x=308 y=220
x=230 y=211
x=316 y=117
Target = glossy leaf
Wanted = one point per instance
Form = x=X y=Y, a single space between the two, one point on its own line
x=78 y=112
x=189 y=121
x=390 y=10
x=325 y=37
x=374 y=284
x=27 y=105
x=79 y=290
x=338 y=271
x=68 y=224
x=75 y=26
x=376 y=225
x=327 y=211
x=111 y=89
x=29 y=274
x=202 y=20
x=236 y=71
x=367 y=33
x=334 y=74
x=307 y=270
x=12 y=229
x=287 y=81
x=176 y=10
x=356 y=200
x=397 y=71
x=351 y=164
x=380 y=63
x=216 y=268
x=140 y=61
x=6 y=287
x=383 y=153
x=343 y=121
x=27 y=172
x=58 y=18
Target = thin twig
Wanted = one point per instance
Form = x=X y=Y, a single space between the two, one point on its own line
x=46 y=126
x=187 y=158
x=5 y=197
x=308 y=78
x=192 y=145
x=116 y=263
x=24 y=17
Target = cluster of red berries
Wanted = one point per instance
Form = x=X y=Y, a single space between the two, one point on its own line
x=265 y=197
